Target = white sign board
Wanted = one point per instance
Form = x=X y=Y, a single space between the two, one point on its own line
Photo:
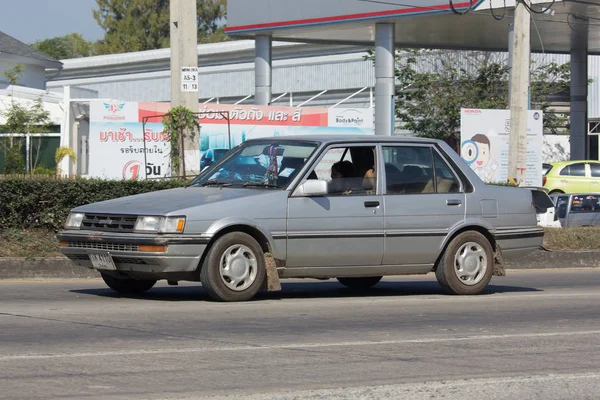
x=485 y=141
x=120 y=148
x=189 y=79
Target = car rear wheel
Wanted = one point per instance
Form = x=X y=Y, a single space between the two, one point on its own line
x=467 y=264
x=128 y=285
x=557 y=191
x=360 y=283
x=234 y=269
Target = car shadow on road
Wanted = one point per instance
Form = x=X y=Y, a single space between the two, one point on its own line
x=306 y=290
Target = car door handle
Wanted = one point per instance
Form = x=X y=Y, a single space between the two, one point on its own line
x=371 y=204
x=453 y=202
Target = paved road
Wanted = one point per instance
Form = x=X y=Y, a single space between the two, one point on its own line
x=535 y=334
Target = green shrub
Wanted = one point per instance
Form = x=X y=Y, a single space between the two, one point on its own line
x=45 y=202
x=14 y=162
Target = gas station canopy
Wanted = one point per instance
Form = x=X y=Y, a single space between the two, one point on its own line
x=418 y=24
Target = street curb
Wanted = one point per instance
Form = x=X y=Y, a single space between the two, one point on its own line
x=56 y=267
x=547 y=259
x=62 y=268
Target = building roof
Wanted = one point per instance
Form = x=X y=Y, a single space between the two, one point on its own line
x=10 y=45
x=418 y=24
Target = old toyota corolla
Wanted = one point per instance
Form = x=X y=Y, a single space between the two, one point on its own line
x=347 y=207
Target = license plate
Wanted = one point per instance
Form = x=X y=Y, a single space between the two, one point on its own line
x=102 y=260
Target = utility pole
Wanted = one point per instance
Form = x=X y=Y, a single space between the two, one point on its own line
x=184 y=75
x=519 y=92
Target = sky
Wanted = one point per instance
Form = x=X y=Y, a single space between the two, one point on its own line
x=33 y=20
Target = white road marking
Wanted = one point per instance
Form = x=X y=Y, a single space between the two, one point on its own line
x=294 y=346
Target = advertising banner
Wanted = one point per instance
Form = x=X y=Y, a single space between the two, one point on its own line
x=119 y=148
x=485 y=141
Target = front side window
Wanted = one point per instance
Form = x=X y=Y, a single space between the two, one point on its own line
x=348 y=170
x=259 y=164
x=595 y=170
x=573 y=170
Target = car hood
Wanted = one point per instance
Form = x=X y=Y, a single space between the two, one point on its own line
x=167 y=201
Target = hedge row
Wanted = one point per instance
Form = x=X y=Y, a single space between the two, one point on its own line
x=43 y=202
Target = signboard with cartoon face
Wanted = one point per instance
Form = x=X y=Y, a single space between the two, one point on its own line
x=485 y=142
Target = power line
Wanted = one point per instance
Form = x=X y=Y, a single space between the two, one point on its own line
x=494 y=15
x=531 y=10
x=455 y=11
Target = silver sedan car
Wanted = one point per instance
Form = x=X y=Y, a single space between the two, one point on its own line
x=355 y=208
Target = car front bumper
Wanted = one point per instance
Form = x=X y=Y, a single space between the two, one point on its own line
x=182 y=253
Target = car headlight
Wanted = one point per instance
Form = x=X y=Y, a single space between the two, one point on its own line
x=160 y=224
x=74 y=220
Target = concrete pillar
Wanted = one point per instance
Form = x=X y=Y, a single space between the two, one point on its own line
x=184 y=54
x=579 y=89
x=263 y=70
x=518 y=94
x=385 y=87
x=511 y=52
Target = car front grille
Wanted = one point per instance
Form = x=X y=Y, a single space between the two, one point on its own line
x=104 y=246
x=109 y=223
x=132 y=260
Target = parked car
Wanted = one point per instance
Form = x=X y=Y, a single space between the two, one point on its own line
x=578 y=209
x=211 y=156
x=573 y=177
x=401 y=206
x=545 y=168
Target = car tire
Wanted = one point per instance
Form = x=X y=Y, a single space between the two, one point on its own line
x=360 y=283
x=234 y=268
x=127 y=285
x=467 y=265
x=557 y=191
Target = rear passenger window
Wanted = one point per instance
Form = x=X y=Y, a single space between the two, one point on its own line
x=595 y=170
x=586 y=203
x=573 y=170
x=411 y=170
x=445 y=181
x=408 y=170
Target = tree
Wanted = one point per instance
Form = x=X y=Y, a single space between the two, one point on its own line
x=136 y=25
x=72 y=45
x=432 y=87
x=21 y=119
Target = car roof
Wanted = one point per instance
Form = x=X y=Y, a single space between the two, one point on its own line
x=336 y=138
x=565 y=163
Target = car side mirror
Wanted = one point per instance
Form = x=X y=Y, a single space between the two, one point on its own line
x=312 y=187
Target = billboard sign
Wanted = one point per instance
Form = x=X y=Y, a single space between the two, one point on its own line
x=485 y=142
x=120 y=147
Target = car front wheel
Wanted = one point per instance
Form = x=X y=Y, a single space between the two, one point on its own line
x=234 y=269
x=467 y=264
x=127 y=285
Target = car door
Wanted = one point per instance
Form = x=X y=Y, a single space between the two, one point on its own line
x=573 y=178
x=595 y=177
x=423 y=200
x=344 y=227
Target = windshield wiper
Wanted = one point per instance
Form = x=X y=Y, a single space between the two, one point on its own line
x=260 y=184
x=216 y=183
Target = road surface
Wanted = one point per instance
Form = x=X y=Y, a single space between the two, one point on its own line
x=534 y=334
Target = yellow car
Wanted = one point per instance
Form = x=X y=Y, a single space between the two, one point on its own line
x=573 y=177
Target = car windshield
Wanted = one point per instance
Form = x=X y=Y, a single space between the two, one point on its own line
x=264 y=164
